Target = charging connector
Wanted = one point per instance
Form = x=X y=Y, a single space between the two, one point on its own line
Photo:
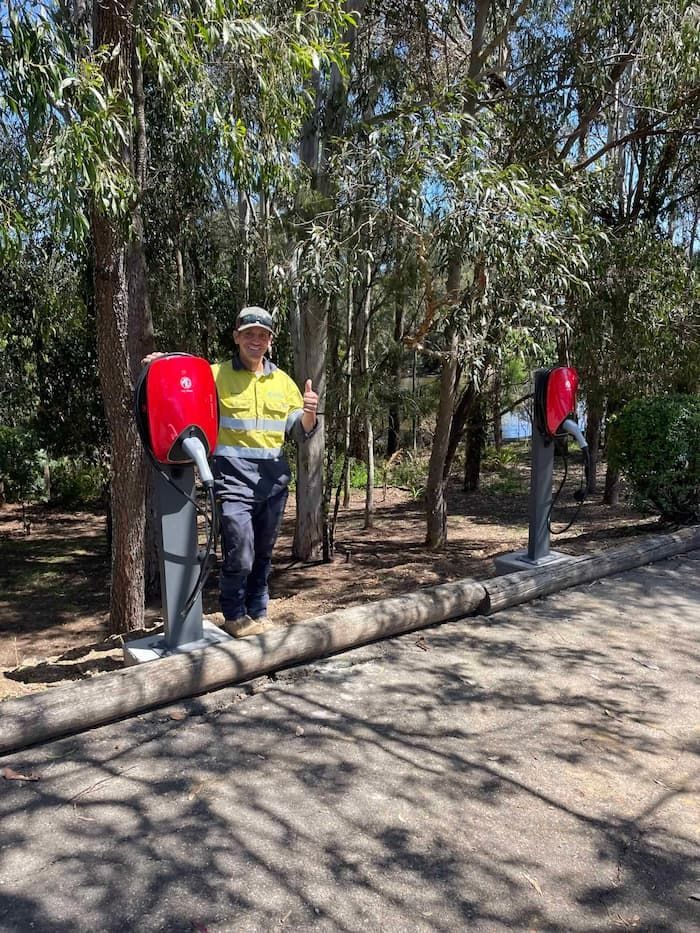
x=195 y=449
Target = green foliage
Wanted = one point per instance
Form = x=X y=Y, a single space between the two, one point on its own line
x=656 y=443
x=494 y=459
x=21 y=464
x=505 y=485
x=76 y=483
x=635 y=333
x=410 y=473
x=404 y=472
x=47 y=341
x=357 y=470
x=26 y=472
x=228 y=72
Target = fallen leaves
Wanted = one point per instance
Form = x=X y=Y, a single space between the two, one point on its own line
x=534 y=883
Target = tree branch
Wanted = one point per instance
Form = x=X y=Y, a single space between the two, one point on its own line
x=616 y=72
x=640 y=133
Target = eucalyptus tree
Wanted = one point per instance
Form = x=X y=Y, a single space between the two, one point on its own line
x=638 y=331
x=76 y=98
x=629 y=126
x=324 y=125
x=545 y=84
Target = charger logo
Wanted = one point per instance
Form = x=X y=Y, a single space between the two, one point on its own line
x=185 y=383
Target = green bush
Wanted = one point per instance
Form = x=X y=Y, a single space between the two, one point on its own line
x=494 y=460
x=409 y=474
x=655 y=442
x=21 y=464
x=77 y=483
x=358 y=474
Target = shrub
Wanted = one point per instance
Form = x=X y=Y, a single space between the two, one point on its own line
x=77 y=483
x=405 y=471
x=21 y=464
x=655 y=442
x=494 y=460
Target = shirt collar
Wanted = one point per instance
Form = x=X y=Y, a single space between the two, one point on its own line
x=268 y=365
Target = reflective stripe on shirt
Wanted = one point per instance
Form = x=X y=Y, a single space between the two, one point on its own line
x=292 y=418
x=248 y=453
x=254 y=424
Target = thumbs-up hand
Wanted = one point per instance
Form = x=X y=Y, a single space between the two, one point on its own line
x=308 y=418
x=310 y=398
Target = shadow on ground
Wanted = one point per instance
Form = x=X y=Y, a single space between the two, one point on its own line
x=535 y=770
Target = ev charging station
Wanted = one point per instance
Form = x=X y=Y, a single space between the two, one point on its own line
x=177 y=415
x=554 y=414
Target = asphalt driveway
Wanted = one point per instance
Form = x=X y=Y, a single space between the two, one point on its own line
x=535 y=770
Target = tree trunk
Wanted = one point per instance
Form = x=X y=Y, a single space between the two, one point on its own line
x=350 y=364
x=435 y=501
x=335 y=429
x=244 y=247
x=460 y=419
x=393 y=440
x=611 y=494
x=310 y=339
x=393 y=431
x=364 y=369
x=264 y=209
x=311 y=334
x=126 y=464
x=369 y=489
x=496 y=408
x=594 y=419
x=474 y=446
x=415 y=392
x=141 y=340
x=122 y=337
x=436 y=487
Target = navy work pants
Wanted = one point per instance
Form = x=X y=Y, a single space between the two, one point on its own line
x=249 y=529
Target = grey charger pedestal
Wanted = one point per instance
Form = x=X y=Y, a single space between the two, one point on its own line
x=538 y=553
x=179 y=556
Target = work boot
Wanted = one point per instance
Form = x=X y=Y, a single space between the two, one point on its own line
x=245 y=626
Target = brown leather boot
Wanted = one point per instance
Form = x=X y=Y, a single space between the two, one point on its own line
x=245 y=626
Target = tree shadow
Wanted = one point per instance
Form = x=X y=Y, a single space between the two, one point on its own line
x=507 y=773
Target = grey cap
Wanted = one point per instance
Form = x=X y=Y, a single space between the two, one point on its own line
x=255 y=317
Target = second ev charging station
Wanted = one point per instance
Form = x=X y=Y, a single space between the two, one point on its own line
x=554 y=414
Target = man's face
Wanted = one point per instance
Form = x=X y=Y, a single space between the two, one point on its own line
x=253 y=343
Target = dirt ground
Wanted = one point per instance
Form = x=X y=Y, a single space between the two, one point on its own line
x=54 y=570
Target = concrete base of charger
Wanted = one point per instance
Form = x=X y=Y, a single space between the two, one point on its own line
x=153 y=647
x=518 y=560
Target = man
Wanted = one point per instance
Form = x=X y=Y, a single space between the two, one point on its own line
x=259 y=405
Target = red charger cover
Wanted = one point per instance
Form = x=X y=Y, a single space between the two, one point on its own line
x=561 y=396
x=180 y=395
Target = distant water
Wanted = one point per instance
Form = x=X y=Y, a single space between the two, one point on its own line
x=516 y=425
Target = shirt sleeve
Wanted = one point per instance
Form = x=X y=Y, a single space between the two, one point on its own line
x=295 y=403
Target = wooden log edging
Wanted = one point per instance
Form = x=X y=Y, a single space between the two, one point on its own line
x=514 y=588
x=84 y=705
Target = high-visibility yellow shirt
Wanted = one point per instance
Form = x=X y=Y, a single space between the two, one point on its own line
x=257 y=411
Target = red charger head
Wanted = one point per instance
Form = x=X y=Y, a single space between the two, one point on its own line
x=176 y=399
x=560 y=402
